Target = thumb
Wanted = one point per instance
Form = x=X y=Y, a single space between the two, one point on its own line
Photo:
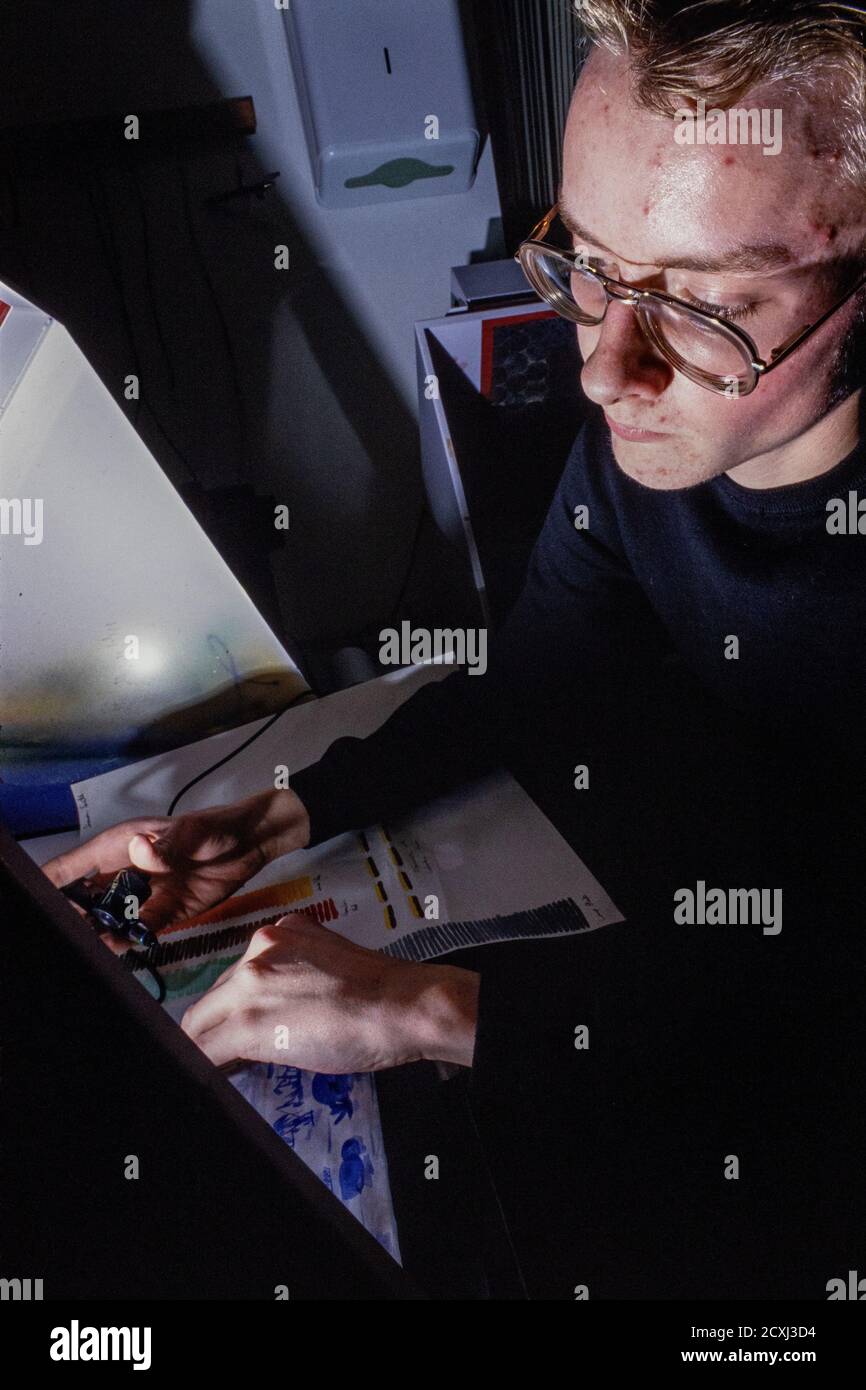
x=150 y=853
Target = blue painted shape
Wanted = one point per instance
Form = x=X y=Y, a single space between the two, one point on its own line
x=334 y=1092
x=356 y=1170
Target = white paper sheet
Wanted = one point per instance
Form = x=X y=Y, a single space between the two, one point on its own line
x=298 y=738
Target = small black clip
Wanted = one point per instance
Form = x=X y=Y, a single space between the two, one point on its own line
x=107 y=908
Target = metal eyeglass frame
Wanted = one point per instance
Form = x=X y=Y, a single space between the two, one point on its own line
x=627 y=294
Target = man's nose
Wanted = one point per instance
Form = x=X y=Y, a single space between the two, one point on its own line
x=619 y=360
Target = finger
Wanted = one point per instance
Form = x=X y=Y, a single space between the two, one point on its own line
x=79 y=862
x=222 y=1044
x=150 y=853
x=214 y=1005
x=108 y=851
x=62 y=869
x=265 y=937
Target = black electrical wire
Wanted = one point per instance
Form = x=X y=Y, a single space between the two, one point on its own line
x=113 y=264
x=413 y=548
x=148 y=276
x=201 y=260
x=304 y=695
x=105 y=232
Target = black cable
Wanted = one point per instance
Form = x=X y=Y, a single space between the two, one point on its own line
x=234 y=370
x=148 y=277
x=305 y=694
x=171 y=444
x=112 y=264
x=401 y=593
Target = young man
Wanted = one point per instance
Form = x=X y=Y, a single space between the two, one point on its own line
x=698 y=644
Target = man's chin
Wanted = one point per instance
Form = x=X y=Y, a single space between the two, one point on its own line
x=666 y=466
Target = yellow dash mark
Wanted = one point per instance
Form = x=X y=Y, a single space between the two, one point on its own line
x=371 y=867
x=415 y=906
x=380 y=893
x=390 y=918
x=406 y=882
x=395 y=856
x=276 y=895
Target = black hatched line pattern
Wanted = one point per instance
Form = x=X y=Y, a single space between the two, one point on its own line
x=206 y=944
x=561 y=918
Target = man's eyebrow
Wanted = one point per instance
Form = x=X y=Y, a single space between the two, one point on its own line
x=763 y=256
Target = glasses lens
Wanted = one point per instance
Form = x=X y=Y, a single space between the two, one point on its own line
x=704 y=350
x=572 y=292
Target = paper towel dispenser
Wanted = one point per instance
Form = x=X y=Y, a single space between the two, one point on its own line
x=385 y=96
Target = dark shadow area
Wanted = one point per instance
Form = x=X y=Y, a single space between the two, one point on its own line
x=511 y=449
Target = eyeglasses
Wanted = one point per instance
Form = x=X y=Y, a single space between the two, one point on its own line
x=707 y=349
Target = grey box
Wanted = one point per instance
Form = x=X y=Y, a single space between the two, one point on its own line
x=375 y=79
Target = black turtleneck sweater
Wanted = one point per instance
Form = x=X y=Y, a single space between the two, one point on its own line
x=702 y=652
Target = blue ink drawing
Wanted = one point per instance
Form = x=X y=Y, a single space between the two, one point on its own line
x=288 y=1126
x=288 y=1079
x=333 y=1091
x=356 y=1170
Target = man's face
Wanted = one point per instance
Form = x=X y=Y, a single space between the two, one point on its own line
x=786 y=233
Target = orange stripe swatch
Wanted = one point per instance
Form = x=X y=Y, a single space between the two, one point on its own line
x=276 y=895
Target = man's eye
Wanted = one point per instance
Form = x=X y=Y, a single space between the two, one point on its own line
x=588 y=255
x=731 y=312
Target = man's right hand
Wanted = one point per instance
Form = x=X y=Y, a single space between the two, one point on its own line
x=193 y=861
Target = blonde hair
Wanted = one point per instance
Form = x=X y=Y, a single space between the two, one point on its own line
x=721 y=49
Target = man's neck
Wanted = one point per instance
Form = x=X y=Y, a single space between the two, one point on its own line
x=826 y=443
